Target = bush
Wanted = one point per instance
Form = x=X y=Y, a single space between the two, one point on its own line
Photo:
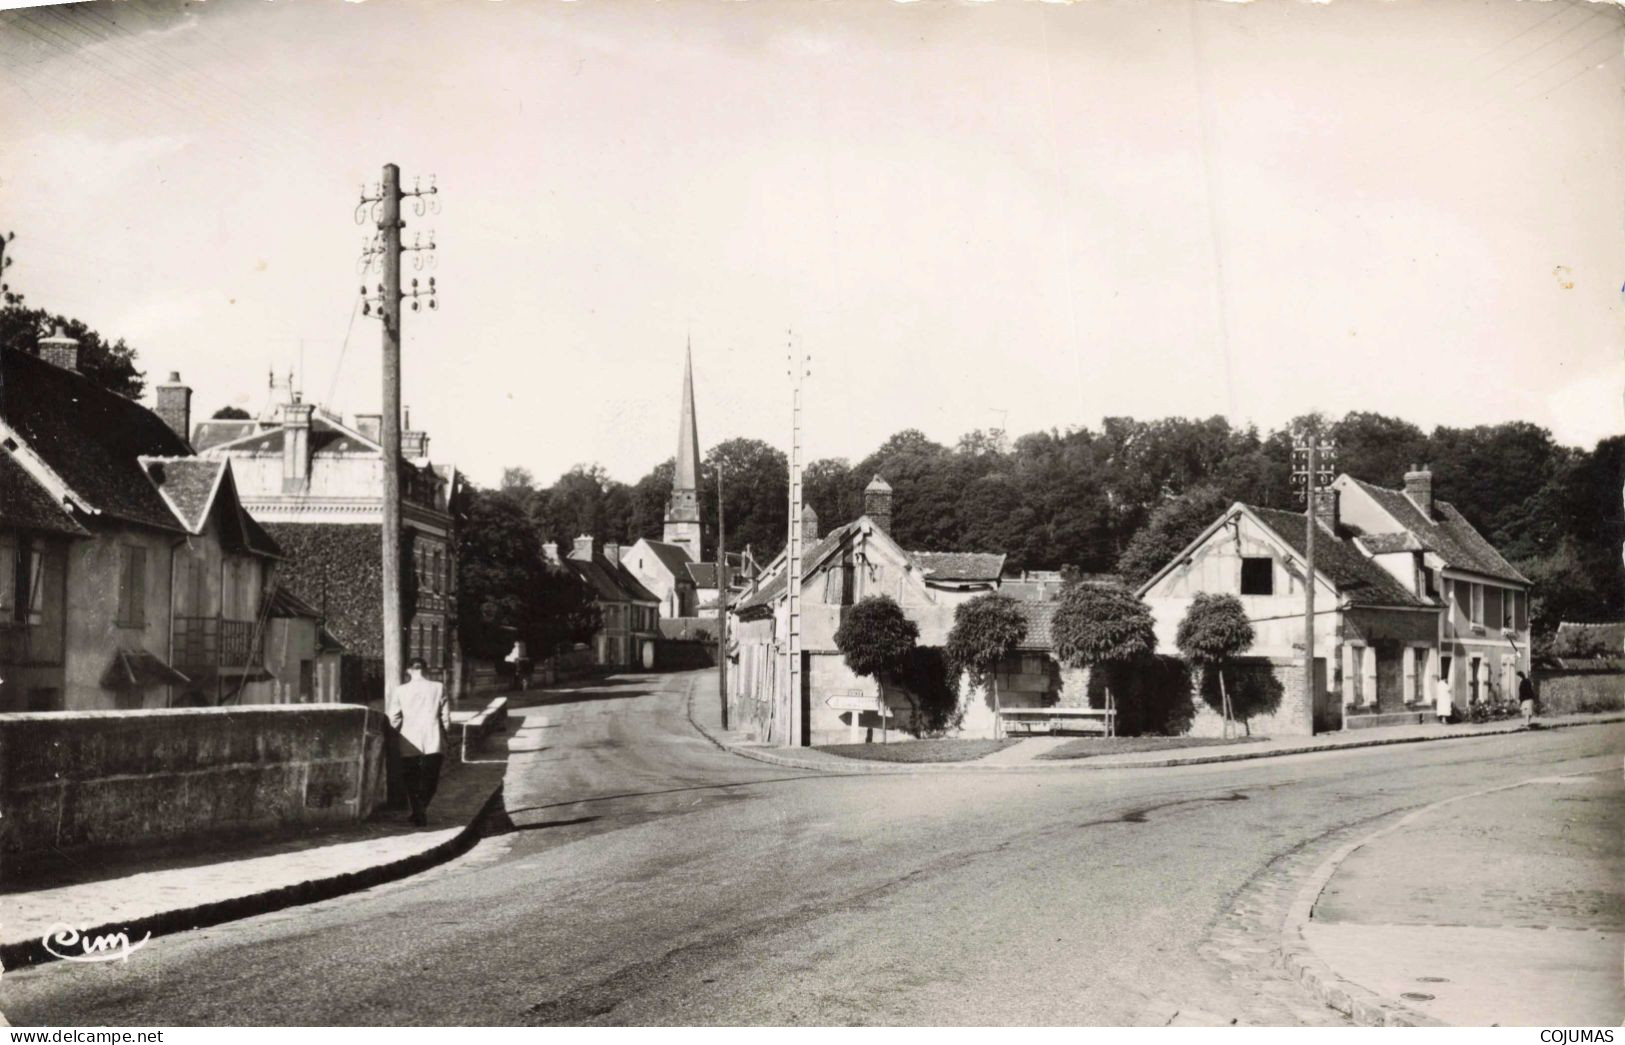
x=876 y=639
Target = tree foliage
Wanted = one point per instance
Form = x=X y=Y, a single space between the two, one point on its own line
x=1214 y=630
x=1172 y=525
x=230 y=413
x=1101 y=624
x=110 y=364
x=876 y=639
x=986 y=630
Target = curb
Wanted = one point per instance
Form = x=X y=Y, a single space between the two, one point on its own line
x=1361 y=1005
x=23 y=953
x=862 y=768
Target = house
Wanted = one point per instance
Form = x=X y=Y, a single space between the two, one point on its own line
x=664 y=570
x=630 y=612
x=853 y=561
x=742 y=571
x=1404 y=587
x=315 y=482
x=131 y=576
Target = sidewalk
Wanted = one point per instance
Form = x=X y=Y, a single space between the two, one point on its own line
x=1502 y=908
x=1028 y=754
x=186 y=885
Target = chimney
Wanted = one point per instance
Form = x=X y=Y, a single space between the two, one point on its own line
x=296 y=446
x=809 y=525
x=1419 y=488
x=414 y=444
x=550 y=551
x=877 y=502
x=583 y=549
x=612 y=551
x=60 y=350
x=371 y=426
x=175 y=405
x=1328 y=504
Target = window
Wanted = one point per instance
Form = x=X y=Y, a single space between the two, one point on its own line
x=1509 y=605
x=434 y=579
x=132 y=587
x=1257 y=575
x=22 y=581
x=1477 y=604
x=307 y=681
x=1429 y=584
x=1472 y=681
x=434 y=646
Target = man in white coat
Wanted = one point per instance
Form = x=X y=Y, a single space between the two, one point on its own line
x=420 y=714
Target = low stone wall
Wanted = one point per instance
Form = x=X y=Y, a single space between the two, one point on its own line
x=81 y=778
x=1578 y=692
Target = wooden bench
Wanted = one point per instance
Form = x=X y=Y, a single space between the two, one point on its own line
x=1059 y=719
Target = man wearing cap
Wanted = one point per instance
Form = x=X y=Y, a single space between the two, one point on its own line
x=420 y=714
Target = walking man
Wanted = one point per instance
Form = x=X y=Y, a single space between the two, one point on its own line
x=1526 y=699
x=420 y=714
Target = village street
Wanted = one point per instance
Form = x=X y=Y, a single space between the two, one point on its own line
x=653 y=878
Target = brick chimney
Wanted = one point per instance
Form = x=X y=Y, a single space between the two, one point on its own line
x=1328 y=504
x=612 y=551
x=583 y=549
x=550 y=551
x=371 y=426
x=877 y=502
x=809 y=525
x=1419 y=488
x=174 y=405
x=60 y=350
x=296 y=445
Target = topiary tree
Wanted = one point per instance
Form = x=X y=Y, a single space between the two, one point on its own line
x=1214 y=630
x=986 y=629
x=876 y=639
x=1100 y=625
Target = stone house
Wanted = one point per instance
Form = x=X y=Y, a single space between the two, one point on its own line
x=663 y=569
x=850 y=563
x=1400 y=632
x=316 y=484
x=630 y=612
x=130 y=574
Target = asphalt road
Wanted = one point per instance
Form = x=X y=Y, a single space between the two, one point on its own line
x=654 y=879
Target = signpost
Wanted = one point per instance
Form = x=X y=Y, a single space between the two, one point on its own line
x=857 y=702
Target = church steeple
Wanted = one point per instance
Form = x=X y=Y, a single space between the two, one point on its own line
x=683 y=509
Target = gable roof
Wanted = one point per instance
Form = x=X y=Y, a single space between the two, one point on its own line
x=959 y=566
x=326 y=437
x=1610 y=633
x=1338 y=560
x=810 y=559
x=610 y=582
x=89 y=437
x=1448 y=535
x=26 y=505
x=194 y=486
x=217 y=430
x=672 y=556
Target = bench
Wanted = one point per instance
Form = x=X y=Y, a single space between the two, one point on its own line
x=493 y=718
x=1059 y=719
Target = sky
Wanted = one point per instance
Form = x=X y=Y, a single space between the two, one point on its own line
x=1018 y=214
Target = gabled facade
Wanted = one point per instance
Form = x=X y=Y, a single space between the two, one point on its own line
x=130 y=574
x=630 y=612
x=664 y=570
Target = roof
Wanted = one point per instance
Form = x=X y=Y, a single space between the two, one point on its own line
x=1382 y=543
x=1447 y=535
x=610 y=582
x=776 y=584
x=284 y=603
x=959 y=566
x=325 y=437
x=26 y=505
x=703 y=574
x=188 y=484
x=1610 y=633
x=672 y=556
x=89 y=437
x=1040 y=615
x=1339 y=561
x=138 y=669
x=215 y=431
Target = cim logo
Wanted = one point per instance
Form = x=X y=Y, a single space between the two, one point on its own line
x=76 y=945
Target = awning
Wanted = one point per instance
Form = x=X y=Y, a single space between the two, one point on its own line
x=138 y=669
x=231 y=674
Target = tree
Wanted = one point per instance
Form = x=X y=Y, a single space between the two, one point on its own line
x=1214 y=631
x=1102 y=625
x=876 y=639
x=986 y=630
x=230 y=413
x=755 y=493
x=1174 y=524
x=111 y=365
x=517 y=481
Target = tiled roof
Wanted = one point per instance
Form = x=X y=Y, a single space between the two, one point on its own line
x=1610 y=633
x=88 y=436
x=188 y=484
x=1040 y=615
x=674 y=557
x=703 y=574
x=775 y=585
x=1447 y=535
x=1379 y=543
x=215 y=431
x=610 y=582
x=1337 y=559
x=325 y=437
x=25 y=504
x=959 y=566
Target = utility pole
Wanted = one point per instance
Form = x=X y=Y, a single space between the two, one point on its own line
x=722 y=602
x=5 y=263
x=800 y=368
x=384 y=249
x=1311 y=472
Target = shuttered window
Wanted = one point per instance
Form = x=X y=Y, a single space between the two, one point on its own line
x=132 y=587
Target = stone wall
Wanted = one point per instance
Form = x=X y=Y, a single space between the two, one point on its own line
x=1266 y=694
x=72 y=778
x=1577 y=692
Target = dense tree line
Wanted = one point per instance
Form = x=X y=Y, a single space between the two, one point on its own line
x=1124 y=497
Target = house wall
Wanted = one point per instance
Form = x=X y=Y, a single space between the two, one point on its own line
x=32 y=654
x=1286 y=711
x=1499 y=656
x=93 y=630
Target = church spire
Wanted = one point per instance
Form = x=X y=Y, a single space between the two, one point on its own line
x=683 y=510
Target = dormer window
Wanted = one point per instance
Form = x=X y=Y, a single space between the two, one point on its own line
x=1430 y=584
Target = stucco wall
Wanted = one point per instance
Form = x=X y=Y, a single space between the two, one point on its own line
x=93 y=630
x=117 y=777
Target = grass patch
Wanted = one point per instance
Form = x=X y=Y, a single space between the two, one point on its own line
x=944 y=750
x=1091 y=747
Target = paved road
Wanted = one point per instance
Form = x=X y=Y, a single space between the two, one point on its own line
x=655 y=879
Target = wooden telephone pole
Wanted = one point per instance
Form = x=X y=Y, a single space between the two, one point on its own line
x=1312 y=471
x=795 y=734
x=722 y=602
x=384 y=250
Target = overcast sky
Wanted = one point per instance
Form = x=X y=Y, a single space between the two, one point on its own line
x=968 y=214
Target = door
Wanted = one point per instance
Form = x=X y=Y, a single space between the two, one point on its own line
x=1328 y=709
